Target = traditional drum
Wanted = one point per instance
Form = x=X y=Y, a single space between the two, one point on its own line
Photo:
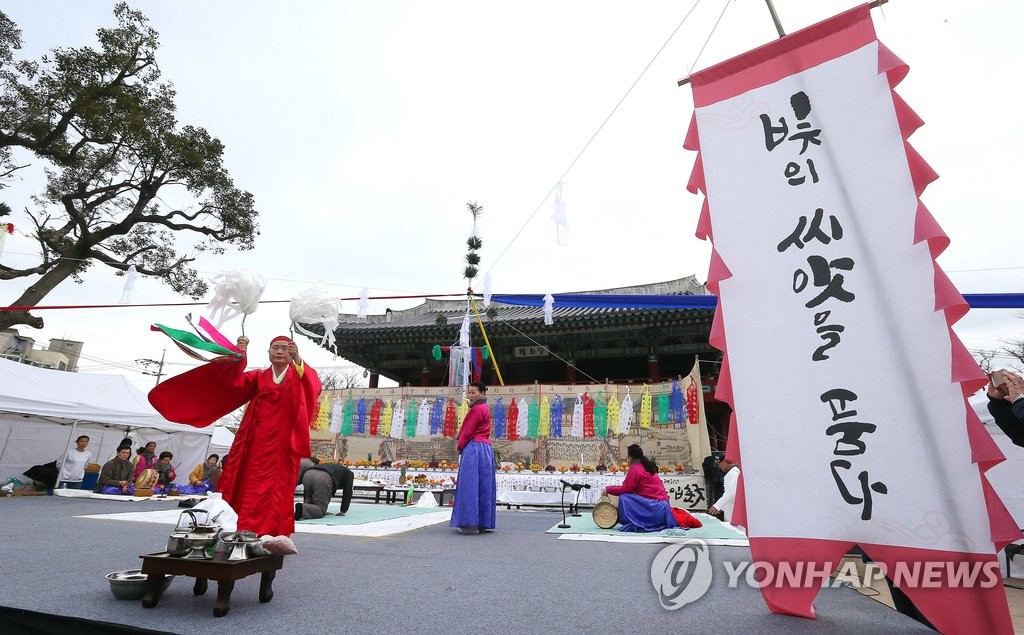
x=145 y=482
x=606 y=513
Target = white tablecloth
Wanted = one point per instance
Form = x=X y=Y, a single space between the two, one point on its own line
x=529 y=488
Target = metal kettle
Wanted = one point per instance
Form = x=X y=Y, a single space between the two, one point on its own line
x=200 y=535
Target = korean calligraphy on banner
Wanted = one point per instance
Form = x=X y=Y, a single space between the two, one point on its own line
x=824 y=266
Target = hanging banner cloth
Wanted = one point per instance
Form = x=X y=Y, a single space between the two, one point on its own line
x=398 y=420
x=811 y=203
x=336 y=413
x=386 y=418
x=512 y=429
x=697 y=425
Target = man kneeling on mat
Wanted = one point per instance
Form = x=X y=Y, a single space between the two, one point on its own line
x=319 y=482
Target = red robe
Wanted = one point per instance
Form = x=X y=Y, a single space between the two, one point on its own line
x=263 y=465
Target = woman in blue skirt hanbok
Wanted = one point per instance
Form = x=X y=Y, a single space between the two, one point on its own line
x=643 y=501
x=476 y=490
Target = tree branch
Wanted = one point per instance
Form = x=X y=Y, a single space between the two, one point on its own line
x=123 y=265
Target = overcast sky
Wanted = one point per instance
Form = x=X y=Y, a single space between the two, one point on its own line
x=363 y=128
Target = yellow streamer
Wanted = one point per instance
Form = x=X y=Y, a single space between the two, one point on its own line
x=460 y=412
x=613 y=413
x=544 y=425
x=389 y=413
x=323 y=417
x=645 y=407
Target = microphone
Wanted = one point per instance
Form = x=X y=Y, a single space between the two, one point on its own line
x=575 y=486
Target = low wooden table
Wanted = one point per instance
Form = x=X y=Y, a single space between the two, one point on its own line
x=375 y=490
x=158 y=565
x=396 y=493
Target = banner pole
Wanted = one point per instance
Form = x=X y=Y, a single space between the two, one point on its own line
x=494 y=358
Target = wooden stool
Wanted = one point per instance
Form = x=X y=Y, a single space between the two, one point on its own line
x=224 y=572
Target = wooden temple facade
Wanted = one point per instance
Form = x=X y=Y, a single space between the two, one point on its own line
x=583 y=346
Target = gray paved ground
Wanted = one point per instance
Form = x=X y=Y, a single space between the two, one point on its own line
x=517 y=579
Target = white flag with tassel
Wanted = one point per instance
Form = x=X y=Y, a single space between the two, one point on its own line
x=130 y=277
x=364 y=304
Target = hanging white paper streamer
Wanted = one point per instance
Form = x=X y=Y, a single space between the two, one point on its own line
x=464 y=331
x=626 y=413
x=423 y=419
x=577 y=417
x=549 y=307
x=487 y=290
x=130 y=277
x=337 y=414
x=5 y=228
x=316 y=306
x=454 y=365
x=364 y=304
x=398 y=420
x=476 y=229
x=235 y=293
x=523 y=419
x=558 y=217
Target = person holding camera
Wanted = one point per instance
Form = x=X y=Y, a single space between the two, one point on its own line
x=1006 y=404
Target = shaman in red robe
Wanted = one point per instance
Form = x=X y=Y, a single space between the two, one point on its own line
x=263 y=466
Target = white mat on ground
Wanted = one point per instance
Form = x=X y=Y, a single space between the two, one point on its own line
x=654 y=539
x=84 y=493
x=368 y=530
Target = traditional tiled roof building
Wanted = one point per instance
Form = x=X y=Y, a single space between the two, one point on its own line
x=584 y=345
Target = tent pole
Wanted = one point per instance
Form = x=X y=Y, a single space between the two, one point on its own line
x=3 y=449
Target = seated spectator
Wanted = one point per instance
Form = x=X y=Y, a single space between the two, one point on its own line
x=165 y=472
x=72 y=465
x=319 y=482
x=116 y=475
x=643 y=501
x=125 y=443
x=204 y=477
x=145 y=458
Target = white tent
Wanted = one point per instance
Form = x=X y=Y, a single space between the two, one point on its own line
x=42 y=410
x=220 y=443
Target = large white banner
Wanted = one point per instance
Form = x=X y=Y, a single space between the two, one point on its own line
x=824 y=264
x=813 y=212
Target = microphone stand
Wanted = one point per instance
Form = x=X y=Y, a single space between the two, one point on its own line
x=564 y=524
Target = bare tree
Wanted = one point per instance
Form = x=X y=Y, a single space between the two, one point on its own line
x=985 y=358
x=337 y=378
x=1013 y=348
